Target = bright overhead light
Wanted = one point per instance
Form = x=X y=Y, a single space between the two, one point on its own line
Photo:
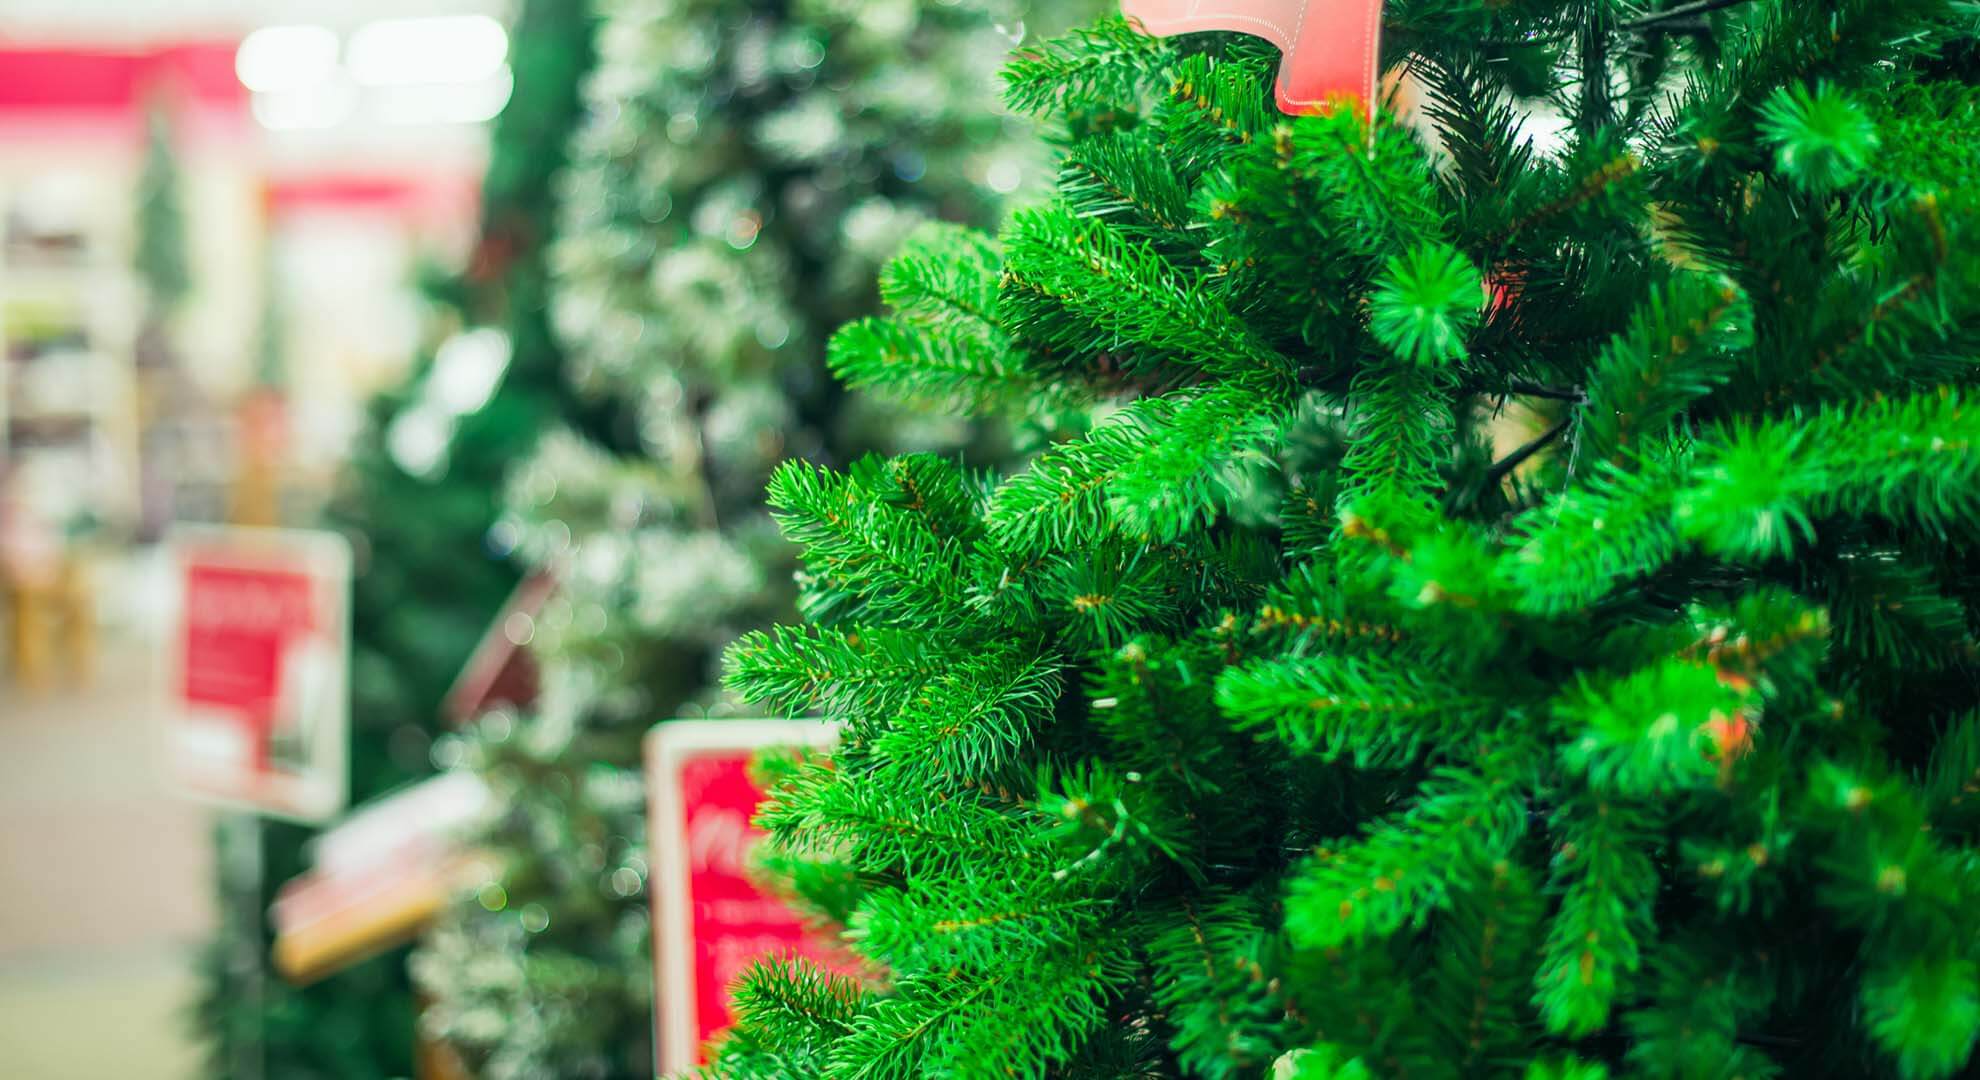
x=443 y=103
x=277 y=58
x=323 y=104
x=436 y=49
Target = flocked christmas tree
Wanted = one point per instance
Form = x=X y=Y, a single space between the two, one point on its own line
x=1301 y=721
x=426 y=586
x=744 y=172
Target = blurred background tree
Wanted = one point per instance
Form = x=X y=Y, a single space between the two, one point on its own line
x=743 y=172
x=160 y=259
x=427 y=583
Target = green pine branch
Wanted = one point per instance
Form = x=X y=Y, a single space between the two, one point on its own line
x=1606 y=880
x=1402 y=868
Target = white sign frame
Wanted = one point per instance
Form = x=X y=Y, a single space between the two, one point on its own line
x=320 y=790
x=668 y=746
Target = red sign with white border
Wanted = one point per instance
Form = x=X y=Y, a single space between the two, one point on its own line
x=259 y=662
x=1332 y=49
x=710 y=920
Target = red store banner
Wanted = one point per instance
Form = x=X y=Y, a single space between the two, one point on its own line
x=259 y=661
x=710 y=919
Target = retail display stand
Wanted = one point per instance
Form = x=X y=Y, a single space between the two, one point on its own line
x=68 y=432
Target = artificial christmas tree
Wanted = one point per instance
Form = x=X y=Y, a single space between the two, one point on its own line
x=744 y=171
x=426 y=586
x=174 y=415
x=160 y=255
x=1291 y=723
x=537 y=971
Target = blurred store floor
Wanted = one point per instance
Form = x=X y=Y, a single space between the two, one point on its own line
x=105 y=877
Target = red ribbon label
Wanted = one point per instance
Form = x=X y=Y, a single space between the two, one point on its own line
x=1332 y=47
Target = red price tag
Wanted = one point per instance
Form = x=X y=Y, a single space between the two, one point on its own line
x=239 y=622
x=1332 y=47
x=710 y=919
x=259 y=714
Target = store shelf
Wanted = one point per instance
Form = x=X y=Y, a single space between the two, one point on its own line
x=68 y=310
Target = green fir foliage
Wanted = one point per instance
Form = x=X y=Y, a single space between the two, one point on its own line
x=1295 y=721
x=740 y=174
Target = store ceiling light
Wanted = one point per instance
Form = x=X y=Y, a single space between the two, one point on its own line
x=444 y=103
x=438 y=49
x=325 y=103
x=282 y=58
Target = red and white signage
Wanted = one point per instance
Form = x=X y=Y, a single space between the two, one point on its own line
x=501 y=672
x=259 y=659
x=1332 y=48
x=379 y=876
x=710 y=920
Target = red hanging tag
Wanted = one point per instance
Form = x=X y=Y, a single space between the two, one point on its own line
x=1332 y=47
